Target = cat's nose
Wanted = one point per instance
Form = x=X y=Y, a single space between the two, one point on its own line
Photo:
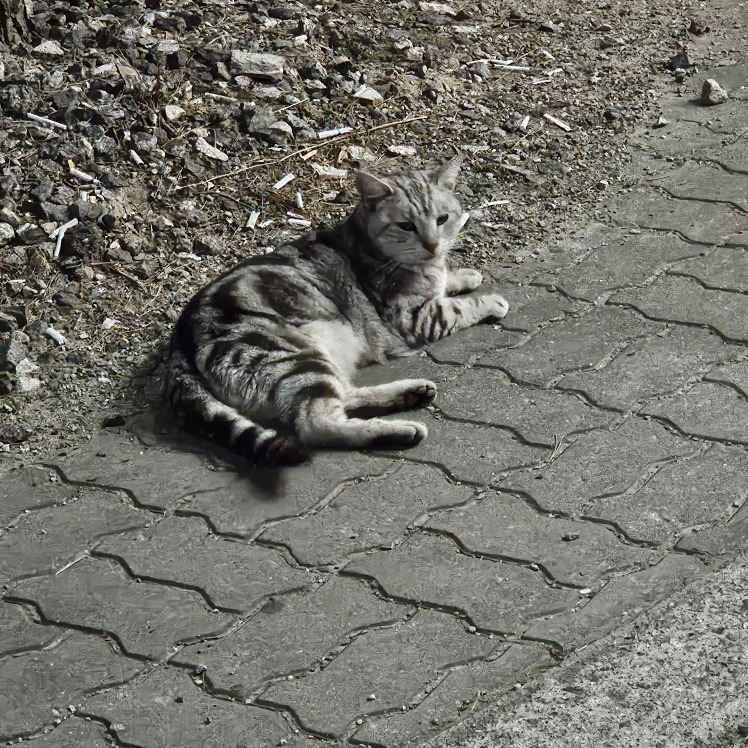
x=431 y=246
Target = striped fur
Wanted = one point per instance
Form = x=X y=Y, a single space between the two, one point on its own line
x=262 y=358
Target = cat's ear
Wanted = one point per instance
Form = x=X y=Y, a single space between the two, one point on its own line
x=371 y=189
x=446 y=175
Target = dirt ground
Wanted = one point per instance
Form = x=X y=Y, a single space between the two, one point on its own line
x=165 y=135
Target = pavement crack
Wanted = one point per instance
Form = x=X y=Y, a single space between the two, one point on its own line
x=533 y=566
x=703 y=284
x=706 y=200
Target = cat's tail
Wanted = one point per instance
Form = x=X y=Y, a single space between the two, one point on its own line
x=205 y=414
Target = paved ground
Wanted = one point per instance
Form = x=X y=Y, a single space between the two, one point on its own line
x=585 y=462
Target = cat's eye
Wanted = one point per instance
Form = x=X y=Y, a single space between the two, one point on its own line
x=406 y=226
x=442 y=219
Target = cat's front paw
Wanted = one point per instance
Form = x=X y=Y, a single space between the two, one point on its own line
x=463 y=280
x=496 y=306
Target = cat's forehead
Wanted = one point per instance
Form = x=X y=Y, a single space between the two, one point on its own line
x=420 y=191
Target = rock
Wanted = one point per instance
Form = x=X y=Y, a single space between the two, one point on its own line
x=661 y=122
x=113 y=420
x=172 y=112
x=679 y=61
x=8 y=216
x=206 y=245
x=401 y=150
x=116 y=254
x=697 y=25
x=204 y=147
x=66 y=299
x=30 y=233
x=14 y=286
x=13 y=349
x=367 y=93
x=49 y=47
x=712 y=93
x=6 y=387
x=258 y=64
x=14 y=433
x=25 y=382
x=7 y=234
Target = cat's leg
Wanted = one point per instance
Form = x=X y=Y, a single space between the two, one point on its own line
x=403 y=394
x=429 y=320
x=325 y=423
x=463 y=280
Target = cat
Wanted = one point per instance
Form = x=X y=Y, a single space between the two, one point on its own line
x=262 y=358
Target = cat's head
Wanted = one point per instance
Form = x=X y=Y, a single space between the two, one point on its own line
x=412 y=217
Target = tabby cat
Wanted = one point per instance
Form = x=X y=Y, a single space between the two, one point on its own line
x=261 y=358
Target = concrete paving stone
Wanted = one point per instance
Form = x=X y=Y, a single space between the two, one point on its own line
x=574 y=553
x=598 y=464
x=72 y=733
x=289 y=635
x=702 y=222
x=678 y=299
x=473 y=453
x=165 y=708
x=148 y=619
x=498 y=596
x=693 y=181
x=395 y=664
x=540 y=416
x=43 y=541
x=36 y=687
x=235 y=503
x=367 y=515
x=726 y=268
x=19 y=633
x=533 y=306
x=182 y=550
x=651 y=366
x=27 y=487
x=623 y=260
x=709 y=410
x=459 y=692
x=704 y=489
x=156 y=478
x=252 y=500
x=468 y=346
x=621 y=598
x=412 y=367
x=733 y=156
x=720 y=538
x=727 y=118
x=735 y=373
x=684 y=139
x=572 y=344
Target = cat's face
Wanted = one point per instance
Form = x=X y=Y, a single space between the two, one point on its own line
x=413 y=217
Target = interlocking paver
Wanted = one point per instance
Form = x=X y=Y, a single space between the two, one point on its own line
x=395 y=664
x=19 y=633
x=34 y=684
x=72 y=733
x=474 y=453
x=471 y=344
x=532 y=306
x=575 y=553
x=721 y=538
x=234 y=503
x=704 y=181
x=702 y=222
x=29 y=487
x=680 y=299
x=289 y=635
x=708 y=409
x=537 y=415
x=735 y=373
x=622 y=596
x=496 y=595
x=148 y=619
x=372 y=514
x=623 y=260
x=691 y=492
x=461 y=687
x=598 y=464
x=725 y=268
x=182 y=550
x=572 y=344
x=43 y=541
x=655 y=365
x=166 y=708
